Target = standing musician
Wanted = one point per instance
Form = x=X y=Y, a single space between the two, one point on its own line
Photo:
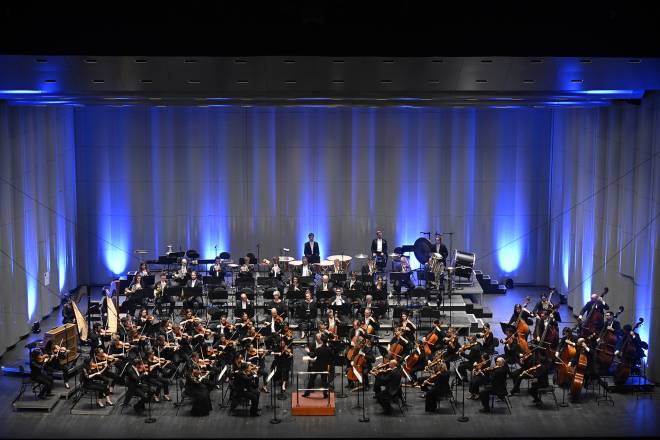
x=496 y=383
x=39 y=374
x=391 y=390
x=312 y=250
x=194 y=302
x=379 y=250
x=322 y=358
x=596 y=305
x=440 y=248
x=435 y=386
x=283 y=361
x=161 y=296
x=526 y=315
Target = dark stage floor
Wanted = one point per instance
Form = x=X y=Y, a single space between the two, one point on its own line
x=632 y=415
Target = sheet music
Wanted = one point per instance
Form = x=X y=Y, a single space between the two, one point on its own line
x=270 y=376
x=358 y=375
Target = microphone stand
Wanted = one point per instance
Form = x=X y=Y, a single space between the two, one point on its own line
x=273 y=401
x=149 y=418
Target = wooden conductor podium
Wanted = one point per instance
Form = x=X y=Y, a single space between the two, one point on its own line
x=67 y=336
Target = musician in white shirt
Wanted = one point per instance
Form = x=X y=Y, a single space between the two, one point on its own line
x=305 y=270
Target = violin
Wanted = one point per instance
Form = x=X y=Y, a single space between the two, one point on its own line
x=467 y=346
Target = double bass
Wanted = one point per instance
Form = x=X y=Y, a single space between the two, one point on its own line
x=522 y=330
x=606 y=344
x=593 y=321
x=627 y=352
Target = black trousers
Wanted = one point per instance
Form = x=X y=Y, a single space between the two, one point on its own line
x=100 y=386
x=463 y=368
x=312 y=380
x=142 y=391
x=431 y=397
x=385 y=400
x=44 y=380
x=252 y=396
x=475 y=384
x=484 y=396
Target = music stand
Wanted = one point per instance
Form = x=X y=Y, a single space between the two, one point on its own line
x=306 y=281
x=338 y=278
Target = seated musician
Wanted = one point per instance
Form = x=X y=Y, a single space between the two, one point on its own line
x=333 y=325
x=155 y=377
x=244 y=305
x=439 y=335
x=272 y=327
x=279 y=305
x=244 y=386
x=216 y=272
x=95 y=337
x=526 y=362
x=134 y=296
x=57 y=356
x=405 y=268
x=370 y=321
x=323 y=289
x=306 y=269
x=369 y=269
x=137 y=386
x=189 y=322
x=182 y=272
x=477 y=379
x=39 y=374
x=420 y=365
x=437 y=385
x=488 y=343
x=194 y=301
x=512 y=351
x=399 y=339
x=496 y=383
x=107 y=375
x=409 y=327
x=91 y=380
x=276 y=271
x=339 y=301
x=539 y=372
x=379 y=289
x=161 y=296
x=307 y=313
x=336 y=266
x=391 y=389
x=145 y=323
x=143 y=271
x=295 y=285
x=246 y=268
x=473 y=356
x=243 y=326
x=353 y=283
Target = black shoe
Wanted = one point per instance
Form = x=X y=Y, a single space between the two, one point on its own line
x=305 y=394
x=484 y=410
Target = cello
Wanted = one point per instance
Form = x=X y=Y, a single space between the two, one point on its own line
x=565 y=374
x=627 y=353
x=429 y=342
x=410 y=361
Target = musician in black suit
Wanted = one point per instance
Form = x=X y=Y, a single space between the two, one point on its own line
x=244 y=385
x=497 y=384
x=322 y=357
x=135 y=386
x=161 y=296
x=278 y=304
x=312 y=250
x=39 y=374
x=391 y=389
x=353 y=283
x=193 y=302
x=244 y=305
x=379 y=249
x=307 y=312
x=217 y=272
x=440 y=248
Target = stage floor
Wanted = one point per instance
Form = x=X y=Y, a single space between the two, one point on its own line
x=630 y=416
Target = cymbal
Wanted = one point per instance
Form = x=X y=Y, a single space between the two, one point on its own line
x=232 y=265
x=285 y=258
x=339 y=257
x=295 y=262
x=361 y=256
x=325 y=263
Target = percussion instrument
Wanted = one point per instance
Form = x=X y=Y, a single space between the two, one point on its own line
x=295 y=263
x=284 y=262
x=361 y=256
x=462 y=258
x=422 y=249
x=232 y=265
x=323 y=266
